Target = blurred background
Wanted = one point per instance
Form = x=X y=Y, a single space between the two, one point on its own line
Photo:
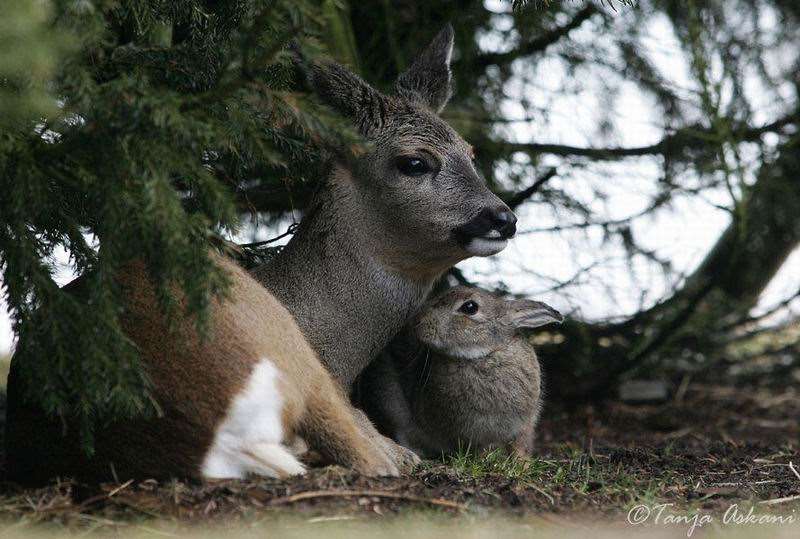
x=649 y=148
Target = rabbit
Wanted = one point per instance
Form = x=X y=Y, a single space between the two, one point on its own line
x=462 y=375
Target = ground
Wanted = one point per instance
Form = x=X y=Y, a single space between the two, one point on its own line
x=709 y=448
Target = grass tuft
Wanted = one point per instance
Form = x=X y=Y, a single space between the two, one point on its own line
x=570 y=470
x=467 y=463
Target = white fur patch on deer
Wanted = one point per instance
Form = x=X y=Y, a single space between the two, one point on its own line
x=250 y=438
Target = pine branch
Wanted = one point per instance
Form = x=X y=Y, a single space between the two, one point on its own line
x=127 y=161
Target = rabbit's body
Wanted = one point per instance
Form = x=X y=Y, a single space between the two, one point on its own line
x=485 y=402
x=458 y=380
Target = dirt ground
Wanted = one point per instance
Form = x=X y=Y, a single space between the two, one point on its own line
x=706 y=450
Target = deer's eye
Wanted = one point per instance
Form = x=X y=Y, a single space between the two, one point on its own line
x=468 y=307
x=412 y=166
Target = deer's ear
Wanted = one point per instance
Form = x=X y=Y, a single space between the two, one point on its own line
x=527 y=314
x=347 y=93
x=428 y=80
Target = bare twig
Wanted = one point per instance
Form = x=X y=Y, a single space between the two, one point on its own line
x=794 y=470
x=120 y=488
x=780 y=500
x=366 y=493
x=289 y=232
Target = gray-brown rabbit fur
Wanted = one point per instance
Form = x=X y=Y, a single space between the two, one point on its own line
x=462 y=375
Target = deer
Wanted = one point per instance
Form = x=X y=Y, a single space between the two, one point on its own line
x=288 y=342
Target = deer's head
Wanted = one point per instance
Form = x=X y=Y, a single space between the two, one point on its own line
x=420 y=196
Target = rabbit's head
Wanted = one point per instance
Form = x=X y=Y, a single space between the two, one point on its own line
x=470 y=323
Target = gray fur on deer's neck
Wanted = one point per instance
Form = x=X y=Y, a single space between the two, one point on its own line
x=332 y=276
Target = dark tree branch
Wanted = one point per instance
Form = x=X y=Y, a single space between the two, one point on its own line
x=518 y=199
x=535 y=45
x=668 y=329
x=752 y=334
x=599 y=154
x=671 y=144
x=458 y=275
x=749 y=320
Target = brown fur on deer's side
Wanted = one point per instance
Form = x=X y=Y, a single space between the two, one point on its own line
x=195 y=381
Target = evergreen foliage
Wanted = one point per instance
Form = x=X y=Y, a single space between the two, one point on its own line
x=127 y=129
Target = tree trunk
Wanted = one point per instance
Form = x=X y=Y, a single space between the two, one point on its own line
x=585 y=359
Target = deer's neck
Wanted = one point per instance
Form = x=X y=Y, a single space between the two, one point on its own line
x=348 y=303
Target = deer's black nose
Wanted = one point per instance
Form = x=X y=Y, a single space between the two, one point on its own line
x=492 y=223
x=504 y=221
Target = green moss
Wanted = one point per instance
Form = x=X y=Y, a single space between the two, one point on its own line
x=5 y=363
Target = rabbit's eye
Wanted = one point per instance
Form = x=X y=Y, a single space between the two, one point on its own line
x=468 y=307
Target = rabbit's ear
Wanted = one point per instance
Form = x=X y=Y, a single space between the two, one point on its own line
x=532 y=314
